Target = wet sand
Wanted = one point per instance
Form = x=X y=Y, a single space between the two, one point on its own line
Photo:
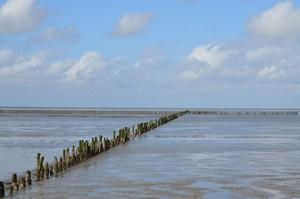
x=192 y=157
x=22 y=137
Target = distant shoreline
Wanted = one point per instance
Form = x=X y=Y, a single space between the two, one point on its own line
x=144 y=111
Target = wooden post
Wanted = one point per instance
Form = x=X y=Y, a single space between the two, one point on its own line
x=37 y=164
x=47 y=170
x=68 y=158
x=40 y=174
x=28 y=177
x=2 y=190
x=22 y=182
x=14 y=181
x=55 y=166
x=114 y=138
x=73 y=155
x=60 y=164
x=51 y=172
x=92 y=147
x=80 y=151
x=133 y=135
x=64 y=160
x=103 y=145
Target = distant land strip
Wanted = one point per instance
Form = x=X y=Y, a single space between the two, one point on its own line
x=144 y=111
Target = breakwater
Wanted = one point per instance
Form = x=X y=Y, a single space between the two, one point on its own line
x=136 y=111
x=86 y=149
x=246 y=112
x=85 y=111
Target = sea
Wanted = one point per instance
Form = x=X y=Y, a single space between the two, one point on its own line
x=195 y=156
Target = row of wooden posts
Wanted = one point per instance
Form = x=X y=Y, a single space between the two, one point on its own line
x=85 y=150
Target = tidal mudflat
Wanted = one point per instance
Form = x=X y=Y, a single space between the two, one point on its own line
x=191 y=157
x=23 y=136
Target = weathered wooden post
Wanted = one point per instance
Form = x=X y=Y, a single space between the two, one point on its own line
x=2 y=190
x=68 y=158
x=92 y=147
x=51 y=172
x=22 y=182
x=40 y=173
x=87 y=150
x=60 y=164
x=80 y=151
x=114 y=138
x=73 y=155
x=47 y=170
x=101 y=144
x=28 y=177
x=64 y=160
x=108 y=143
x=14 y=181
x=55 y=166
x=133 y=133
x=37 y=164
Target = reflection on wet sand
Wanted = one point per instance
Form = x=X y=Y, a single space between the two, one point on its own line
x=192 y=157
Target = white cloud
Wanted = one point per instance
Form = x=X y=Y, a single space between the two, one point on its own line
x=40 y=66
x=22 y=66
x=265 y=52
x=248 y=64
x=58 y=67
x=17 y=16
x=280 y=22
x=86 y=66
x=189 y=75
x=212 y=54
x=226 y=62
x=271 y=73
x=269 y=60
x=131 y=24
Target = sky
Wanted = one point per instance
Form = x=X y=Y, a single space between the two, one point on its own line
x=150 y=53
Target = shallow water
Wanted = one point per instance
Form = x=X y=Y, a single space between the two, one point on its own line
x=22 y=137
x=192 y=157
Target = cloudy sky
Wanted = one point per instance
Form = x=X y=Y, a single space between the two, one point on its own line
x=150 y=53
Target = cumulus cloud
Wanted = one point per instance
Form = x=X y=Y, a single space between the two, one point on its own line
x=247 y=64
x=41 y=65
x=271 y=72
x=18 y=16
x=58 y=67
x=264 y=52
x=212 y=54
x=86 y=66
x=131 y=24
x=234 y=62
x=21 y=66
x=208 y=61
x=269 y=60
x=282 y=21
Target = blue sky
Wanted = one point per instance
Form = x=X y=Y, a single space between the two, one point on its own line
x=142 y=53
